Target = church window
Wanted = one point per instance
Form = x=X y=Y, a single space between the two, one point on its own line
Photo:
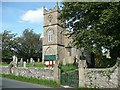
x=50 y=36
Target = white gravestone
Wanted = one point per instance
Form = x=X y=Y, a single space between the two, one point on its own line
x=38 y=60
x=16 y=60
x=27 y=60
x=33 y=63
x=21 y=61
x=31 y=60
x=14 y=57
x=24 y=64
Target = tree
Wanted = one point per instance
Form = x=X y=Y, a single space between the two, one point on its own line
x=8 y=42
x=29 y=45
x=0 y=47
x=93 y=25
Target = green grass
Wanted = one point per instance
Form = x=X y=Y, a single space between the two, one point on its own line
x=3 y=64
x=37 y=65
x=49 y=83
x=68 y=67
x=88 y=89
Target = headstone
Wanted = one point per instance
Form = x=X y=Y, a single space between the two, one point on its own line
x=38 y=60
x=16 y=60
x=21 y=61
x=24 y=64
x=27 y=60
x=33 y=63
x=31 y=60
x=14 y=57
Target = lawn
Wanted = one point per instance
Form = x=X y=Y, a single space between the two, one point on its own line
x=37 y=65
x=3 y=64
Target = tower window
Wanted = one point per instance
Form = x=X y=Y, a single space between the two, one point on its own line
x=50 y=36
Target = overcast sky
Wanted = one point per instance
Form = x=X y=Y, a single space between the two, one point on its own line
x=17 y=16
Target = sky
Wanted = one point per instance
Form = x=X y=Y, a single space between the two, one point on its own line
x=18 y=16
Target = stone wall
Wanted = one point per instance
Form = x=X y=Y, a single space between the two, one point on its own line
x=43 y=73
x=103 y=78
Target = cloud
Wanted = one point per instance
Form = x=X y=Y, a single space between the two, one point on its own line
x=33 y=16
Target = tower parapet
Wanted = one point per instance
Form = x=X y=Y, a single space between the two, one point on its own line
x=56 y=8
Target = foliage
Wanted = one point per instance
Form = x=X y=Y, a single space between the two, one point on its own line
x=29 y=44
x=104 y=62
x=8 y=42
x=32 y=80
x=93 y=25
x=0 y=47
x=68 y=67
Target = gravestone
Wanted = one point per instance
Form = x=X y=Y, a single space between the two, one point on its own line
x=21 y=61
x=12 y=64
x=27 y=60
x=33 y=63
x=31 y=60
x=38 y=60
x=14 y=58
x=24 y=64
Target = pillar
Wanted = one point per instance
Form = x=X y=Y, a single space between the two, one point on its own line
x=57 y=72
x=81 y=67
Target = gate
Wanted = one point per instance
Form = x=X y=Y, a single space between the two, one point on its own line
x=70 y=78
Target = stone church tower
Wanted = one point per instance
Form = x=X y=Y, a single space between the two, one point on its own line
x=54 y=41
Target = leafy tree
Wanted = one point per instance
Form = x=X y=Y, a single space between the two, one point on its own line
x=29 y=45
x=8 y=42
x=93 y=25
x=0 y=47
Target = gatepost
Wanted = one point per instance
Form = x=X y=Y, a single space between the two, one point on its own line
x=82 y=77
x=57 y=72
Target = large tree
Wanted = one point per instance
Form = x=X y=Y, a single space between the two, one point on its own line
x=8 y=42
x=29 y=45
x=93 y=25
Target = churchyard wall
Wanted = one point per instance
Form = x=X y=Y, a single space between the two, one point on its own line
x=43 y=73
x=103 y=78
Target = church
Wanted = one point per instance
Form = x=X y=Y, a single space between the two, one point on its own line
x=56 y=44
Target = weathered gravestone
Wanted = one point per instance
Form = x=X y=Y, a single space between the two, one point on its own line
x=24 y=64
x=31 y=60
x=27 y=60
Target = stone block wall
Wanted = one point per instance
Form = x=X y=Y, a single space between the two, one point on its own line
x=43 y=73
x=103 y=78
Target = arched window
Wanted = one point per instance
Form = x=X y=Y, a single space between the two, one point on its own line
x=50 y=34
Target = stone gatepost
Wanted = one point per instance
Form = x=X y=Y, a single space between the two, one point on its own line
x=82 y=77
x=57 y=72
x=118 y=60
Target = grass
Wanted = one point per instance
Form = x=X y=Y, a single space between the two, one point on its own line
x=3 y=64
x=49 y=83
x=88 y=89
x=68 y=67
x=37 y=65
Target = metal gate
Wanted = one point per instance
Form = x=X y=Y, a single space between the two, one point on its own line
x=70 y=78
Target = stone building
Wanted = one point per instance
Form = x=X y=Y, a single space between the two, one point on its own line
x=56 y=44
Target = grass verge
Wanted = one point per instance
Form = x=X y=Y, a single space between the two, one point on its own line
x=49 y=83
